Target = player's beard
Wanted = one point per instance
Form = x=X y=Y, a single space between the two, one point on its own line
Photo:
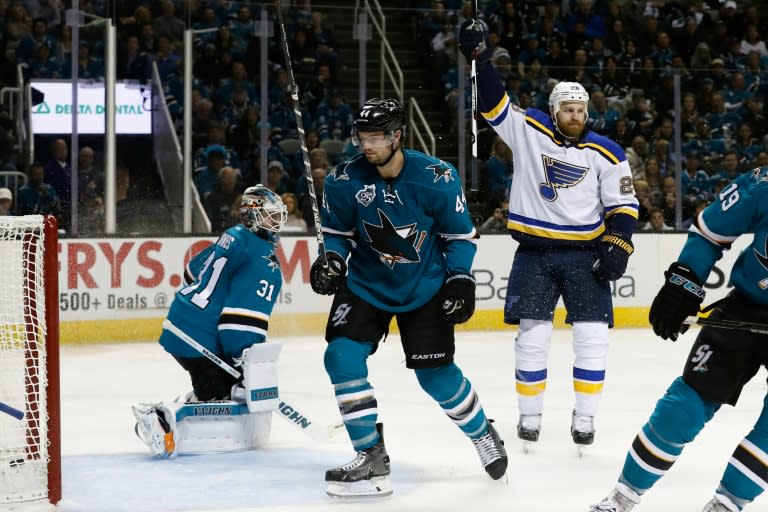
x=377 y=159
x=572 y=130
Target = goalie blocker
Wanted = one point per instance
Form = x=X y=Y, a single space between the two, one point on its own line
x=243 y=423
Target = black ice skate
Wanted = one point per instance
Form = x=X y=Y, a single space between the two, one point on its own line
x=582 y=431
x=367 y=475
x=492 y=454
x=528 y=429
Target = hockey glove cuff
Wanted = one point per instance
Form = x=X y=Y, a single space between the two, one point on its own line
x=458 y=297
x=326 y=280
x=612 y=256
x=473 y=42
x=679 y=298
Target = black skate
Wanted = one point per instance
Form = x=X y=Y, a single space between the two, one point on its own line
x=367 y=475
x=528 y=429
x=582 y=431
x=492 y=454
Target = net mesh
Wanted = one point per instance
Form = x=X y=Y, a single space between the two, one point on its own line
x=23 y=441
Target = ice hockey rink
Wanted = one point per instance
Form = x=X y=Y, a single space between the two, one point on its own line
x=434 y=467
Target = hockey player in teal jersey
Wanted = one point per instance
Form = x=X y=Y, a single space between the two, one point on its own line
x=229 y=292
x=721 y=360
x=573 y=210
x=400 y=243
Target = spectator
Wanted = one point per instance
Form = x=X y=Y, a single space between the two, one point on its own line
x=132 y=62
x=305 y=201
x=334 y=117
x=710 y=148
x=37 y=197
x=497 y=173
x=58 y=174
x=745 y=144
x=496 y=224
x=29 y=44
x=641 y=115
x=643 y=194
x=295 y=222
x=6 y=202
x=218 y=204
x=636 y=155
x=729 y=169
x=88 y=66
x=275 y=177
x=602 y=118
x=207 y=178
x=753 y=42
x=168 y=63
x=656 y=221
x=695 y=182
x=167 y=24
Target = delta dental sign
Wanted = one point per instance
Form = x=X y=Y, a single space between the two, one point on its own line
x=133 y=104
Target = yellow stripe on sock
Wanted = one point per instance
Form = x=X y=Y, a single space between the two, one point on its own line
x=530 y=389
x=591 y=388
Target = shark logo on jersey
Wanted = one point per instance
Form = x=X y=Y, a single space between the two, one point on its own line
x=339 y=172
x=395 y=244
x=366 y=196
x=760 y=174
x=559 y=175
x=442 y=172
x=272 y=261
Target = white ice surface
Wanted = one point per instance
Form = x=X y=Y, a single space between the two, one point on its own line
x=434 y=467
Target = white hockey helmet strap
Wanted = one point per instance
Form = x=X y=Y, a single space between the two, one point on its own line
x=565 y=92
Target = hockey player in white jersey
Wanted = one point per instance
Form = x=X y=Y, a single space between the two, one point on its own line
x=572 y=208
x=222 y=314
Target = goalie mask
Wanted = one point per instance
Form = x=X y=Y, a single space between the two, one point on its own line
x=263 y=212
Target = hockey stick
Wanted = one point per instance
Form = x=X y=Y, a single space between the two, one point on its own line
x=727 y=324
x=287 y=411
x=302 y=138
x=473 y=184
x=11 y=411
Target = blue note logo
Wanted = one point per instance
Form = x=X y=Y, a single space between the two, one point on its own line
x=559 y=175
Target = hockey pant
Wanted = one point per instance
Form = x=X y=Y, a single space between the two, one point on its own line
x=345 y=362
x=590 y=347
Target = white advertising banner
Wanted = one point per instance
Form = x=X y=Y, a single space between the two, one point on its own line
x=133 y=104
x=135 y=278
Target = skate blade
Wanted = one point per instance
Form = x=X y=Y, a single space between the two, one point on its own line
x=580 y=450
x=527 y=446
x=377 y=487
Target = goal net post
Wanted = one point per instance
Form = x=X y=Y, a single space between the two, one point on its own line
x=30 y=428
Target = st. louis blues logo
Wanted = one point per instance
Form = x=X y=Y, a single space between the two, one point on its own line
x=366 y=195
x=395 y=244
x=442 y=172
x=559 y=175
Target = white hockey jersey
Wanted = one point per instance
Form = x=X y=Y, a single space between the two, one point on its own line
x=562 y=192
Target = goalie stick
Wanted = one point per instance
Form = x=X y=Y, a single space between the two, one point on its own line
x=287 y=411
x=302 y=139
x=727 y=324
x=11 y=411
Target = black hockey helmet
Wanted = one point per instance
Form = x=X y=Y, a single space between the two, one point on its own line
x=385 y=115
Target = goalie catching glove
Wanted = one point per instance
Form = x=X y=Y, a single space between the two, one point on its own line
x=458 y=294
x=326 y=280
x=612 y=256
x=679 y=298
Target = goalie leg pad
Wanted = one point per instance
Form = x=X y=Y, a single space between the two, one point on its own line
x=220 y=426
x=260 y=376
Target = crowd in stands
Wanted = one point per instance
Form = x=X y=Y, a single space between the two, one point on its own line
x=627 y=53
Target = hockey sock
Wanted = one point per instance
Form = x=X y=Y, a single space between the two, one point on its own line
x=746 y=475
x=590 y=346
x=345 y=362
x=531 y=351
x=679 y=416
x=455 y=394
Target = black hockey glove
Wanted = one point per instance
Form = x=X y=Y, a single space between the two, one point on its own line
x=612 y=256
x=326 y=280
x=473 y=42
x=679 y=298
x=458 y=294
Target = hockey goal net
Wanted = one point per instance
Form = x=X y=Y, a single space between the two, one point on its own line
x=30 y=454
